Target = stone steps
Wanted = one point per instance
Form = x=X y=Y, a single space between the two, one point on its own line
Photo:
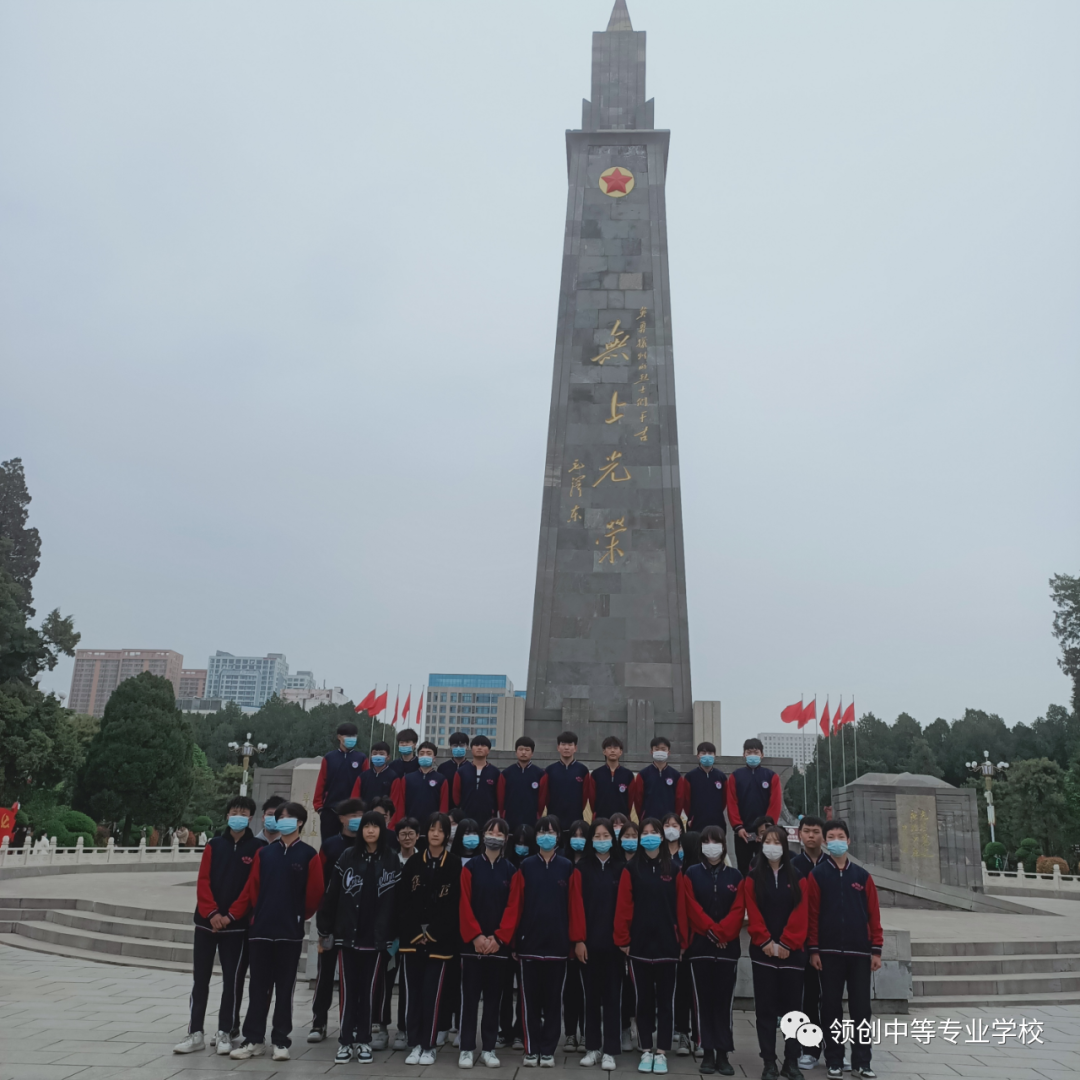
x=983 y=966
x=17 y=941
x=942 y=1003
x=995 y=986
x=923 y=949
x=140 y=928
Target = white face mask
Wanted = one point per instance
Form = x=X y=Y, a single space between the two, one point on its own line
x=672 y=833
x=772 y=851
x=659 y=755
x=712 y=851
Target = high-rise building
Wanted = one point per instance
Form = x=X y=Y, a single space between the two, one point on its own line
x=250 y=681
x=302 y=680
x=98 y=672
x=467 y=703
x=307 y=697
x=192 y=683
x=797 y=745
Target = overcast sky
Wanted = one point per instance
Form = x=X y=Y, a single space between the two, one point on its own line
x=278 y=291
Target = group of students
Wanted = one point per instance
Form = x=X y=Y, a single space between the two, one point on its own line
x=463 y=881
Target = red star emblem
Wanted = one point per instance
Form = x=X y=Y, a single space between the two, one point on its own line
x=617 y=181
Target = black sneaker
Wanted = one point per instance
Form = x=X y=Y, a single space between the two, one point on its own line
x=791 y=1070
x=723 y=1066
x=769 y=1072
x=708 y=1063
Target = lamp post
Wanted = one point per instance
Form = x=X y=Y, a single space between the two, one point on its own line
x=988 y=770
x=246 y=751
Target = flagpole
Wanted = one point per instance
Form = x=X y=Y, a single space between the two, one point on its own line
x=843 y=744
x=804 y=807
x=817 y=758
x=855 y=736
x=829 y=739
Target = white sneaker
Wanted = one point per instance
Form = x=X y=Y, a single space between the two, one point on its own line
x=414 y=1056
x=316 y=1034
x=427 y=1057
x=190 y=1043
x=248 y=1050
x=807 y=1061
x=684 y=1046
x=646 y=1062
x=281 y=1053
x=440 y=1039
x=607 y=1063
x=223 y=1041
x=343 y=1055
x=400 y=1041
x=464 y=1059
x=363 y=1052
x=490 y=1060
x=592 y=1057
x=530 y=1061
x=380 y=1038
x=547 y=1061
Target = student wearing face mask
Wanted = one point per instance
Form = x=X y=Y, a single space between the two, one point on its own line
x=407 y=835
x=377 y=780
x=268 y=833
x=522 y=845
x=618 y=823
x=752 y=791
x=485 y=894
x=459 y=751
x=650 y=928
x=476 y=783
x=702 y=792
x=466 y=843
x=422 y=791
x=654 y=789
x=351 y=813
x=602 y=963
x=574 y=987
x=519 y=786
x=673 y=840
x=777 y=908
x=355 y=920
x=566 y=788
x=544 y=920
x=673 y=833
x=845 y=945
x=812 y=838
x=407 y=760
x=338 y=773
x=626 y=845
x=284 y=888
x=713 y=897
x=223 y=873
x=611 y=782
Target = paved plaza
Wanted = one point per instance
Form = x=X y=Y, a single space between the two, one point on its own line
x=75 y=1018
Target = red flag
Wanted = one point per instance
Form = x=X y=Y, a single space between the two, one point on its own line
x=836 y=721
x=792 y=713
x=849 y=715
x=405 y=711
x=393 y=723
x=825 y=719
x=365 y=705
x=380 y=703
x=809 y=713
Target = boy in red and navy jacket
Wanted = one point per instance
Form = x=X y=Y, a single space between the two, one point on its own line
x=654 y=789
x=567 y=785
x=844 y=939
x=611 y=783
x=376 y=777
x=459 y=751
x=285 y=888
x=223 y=874
x=752 y=792
x=337 y=777
x=476 y=784
x=420 y=793
x=702 y=792
x=519 y=787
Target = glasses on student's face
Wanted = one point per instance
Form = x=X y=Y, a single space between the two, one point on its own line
x=407 y=836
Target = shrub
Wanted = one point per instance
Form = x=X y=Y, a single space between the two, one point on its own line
x=1045 y=864
x=994 y=855
x=202 y=824
x=1027 y=854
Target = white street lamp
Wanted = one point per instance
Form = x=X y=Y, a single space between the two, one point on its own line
x=988 y=770
x=246 y=751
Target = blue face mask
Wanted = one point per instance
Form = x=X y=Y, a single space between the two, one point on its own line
x=753 y=760
x=354 y=824
x=237 y=822
x=426 y=761
x=707 y=760
x=651 y=841
x=405 y=749
x=628 y=843
x=270 y=824
x=601 y=846
x=457 y=751
x=577 y=843
x=378 y=761
x=836 y=847
x=546 y=841
x=470 y=841
x=350 y=741
x=286 y=825
x=521 y=849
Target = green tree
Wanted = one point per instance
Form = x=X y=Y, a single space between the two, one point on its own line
x=1034 y=803
x=966 y=740
x=20 y=546
x=39 y=747
x=1065 y=592
x=139 y=767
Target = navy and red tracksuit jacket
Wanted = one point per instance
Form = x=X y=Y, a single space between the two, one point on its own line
x=545 y=917
x=223 y=873
x=600 y=897
x=843 y=912
x=776 y=911
x=713 y=898
x=653 y=792
x=753 y=793
x=804 y=864
x=337 y=777
x=285 y=887
x=702 y=797
x=611 y=791
x=649 y=916
x=519 y=794
x=450 y=767
x=476 y=792
x=419 y=795
x=485 y=894
x=332 y=848
x=371 y=784
x=403 y=767
x=564 y=790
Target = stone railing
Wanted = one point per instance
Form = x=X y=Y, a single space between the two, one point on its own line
x=1050 y=884
x=48 y=853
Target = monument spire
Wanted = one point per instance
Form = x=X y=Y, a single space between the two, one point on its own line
x=620 y=17
x=618 y=77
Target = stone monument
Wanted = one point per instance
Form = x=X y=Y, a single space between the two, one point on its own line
x=610 y=650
